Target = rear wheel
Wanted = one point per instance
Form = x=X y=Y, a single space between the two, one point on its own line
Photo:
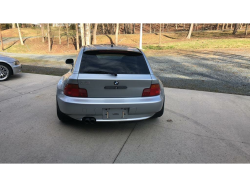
x=5 y=72
x=61 y=116
x=160 y=113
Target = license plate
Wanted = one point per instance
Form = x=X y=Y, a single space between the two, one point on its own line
x=115 y=113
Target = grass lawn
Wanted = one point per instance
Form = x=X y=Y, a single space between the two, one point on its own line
x=203 y=44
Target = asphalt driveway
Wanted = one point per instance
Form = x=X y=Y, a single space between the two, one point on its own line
x=197 y=127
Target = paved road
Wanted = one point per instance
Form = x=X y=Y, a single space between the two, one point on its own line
x=197 y=127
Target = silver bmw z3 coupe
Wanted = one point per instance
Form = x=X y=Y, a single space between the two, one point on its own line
x=109 y=83
x=8 y=66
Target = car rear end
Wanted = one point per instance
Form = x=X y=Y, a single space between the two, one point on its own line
x=110 y=85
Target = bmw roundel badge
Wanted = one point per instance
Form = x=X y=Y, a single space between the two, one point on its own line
x=116 y=83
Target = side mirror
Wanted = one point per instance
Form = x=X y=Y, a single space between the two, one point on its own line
x=69 y=61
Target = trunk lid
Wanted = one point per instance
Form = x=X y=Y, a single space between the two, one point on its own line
x=109 y=86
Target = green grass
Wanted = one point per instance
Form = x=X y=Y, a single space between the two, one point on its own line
x=203 y=44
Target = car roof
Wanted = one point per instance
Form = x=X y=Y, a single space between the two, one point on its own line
x=110 y=47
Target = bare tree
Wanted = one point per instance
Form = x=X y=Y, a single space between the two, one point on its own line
x=246 y=29
x=131 y=28
x=116 y=34
x=226 y=26
x=196 y=27
x=42 y=31
x=102 y=28
x=13 y=25
x=67 y=30
x=223 y=25
x=20 y=36
x=94 y=33
x=240 y=26
x=82 y=34
x=87 y=35
x=190 y=31
x=236 y=26
x=1 y=39
x=160 y=35
x=124 y=29
x=59 y=34
x=77 y=37
x=49 y=40
x=218 y=26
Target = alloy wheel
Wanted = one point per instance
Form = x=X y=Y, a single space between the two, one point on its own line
x=4 y=72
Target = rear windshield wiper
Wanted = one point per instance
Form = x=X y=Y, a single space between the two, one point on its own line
x=102 y=72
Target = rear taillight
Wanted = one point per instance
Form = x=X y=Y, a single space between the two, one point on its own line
x=152 y=91
x=73 y=90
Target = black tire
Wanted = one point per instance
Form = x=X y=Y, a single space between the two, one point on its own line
x=9 y=71
x=61 y=116
x=160 y=113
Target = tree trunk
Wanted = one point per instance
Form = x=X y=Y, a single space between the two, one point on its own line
x=42 y=31
x=235 y=28
x=49 y=41
x=13 y=25
x=116 y=34
x=90 y=41
x=1 y=39
x=160 y=35
x=218 y=25
x=102 y=28
x=226 y=26
x=184 y=26
x=59 y=35
x=77 y=37
x=134 y=28
x=190 y=31
x=20 y=36
x=175 y=26
x=67 y=30
x=223 y=25
x=231 y=26
x=150 y=28
x=82 y=34
x=131 y=28
x=94 y=33
x=87 y=33
x=240 y=26
x=246 y=29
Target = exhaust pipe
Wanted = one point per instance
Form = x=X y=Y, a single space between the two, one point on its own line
x=92 y=120
x=89 y=120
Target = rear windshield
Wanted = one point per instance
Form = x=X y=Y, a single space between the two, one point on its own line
x=118 y=62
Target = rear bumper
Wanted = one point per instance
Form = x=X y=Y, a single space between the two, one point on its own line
x=139 y=108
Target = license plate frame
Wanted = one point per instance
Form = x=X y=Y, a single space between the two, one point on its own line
x=114 y=113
